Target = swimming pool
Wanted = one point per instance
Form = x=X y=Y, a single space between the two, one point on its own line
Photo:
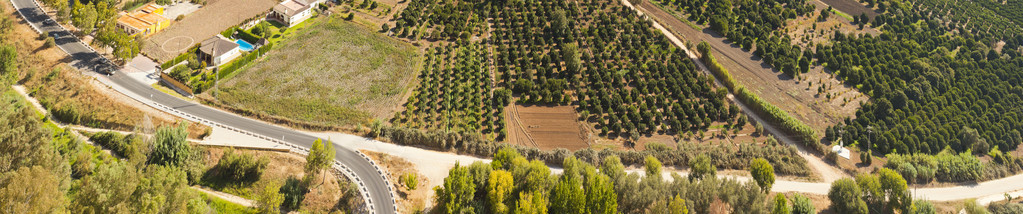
x=245 y=46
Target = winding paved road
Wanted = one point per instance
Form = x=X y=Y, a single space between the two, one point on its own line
x=86 y=59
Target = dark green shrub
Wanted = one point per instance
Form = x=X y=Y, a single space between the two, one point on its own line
x=241 y=167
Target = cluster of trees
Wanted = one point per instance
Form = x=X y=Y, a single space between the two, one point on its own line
x=456 y=94
x=929 y=90
x=513 y=184
x=946 y=166
x=40 y=170
x=644 y=84
x=885 y=191
x=451 y=20
x=1001 y=18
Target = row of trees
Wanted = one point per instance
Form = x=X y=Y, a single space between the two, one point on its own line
x=456 y=94
x=927 y=97
x=513 y=184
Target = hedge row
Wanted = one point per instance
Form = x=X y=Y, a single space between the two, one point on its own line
x=247 y=36
x=784 y=158
x=120 y=144
x=803 y=133
x=244 y=60
x=179 y=58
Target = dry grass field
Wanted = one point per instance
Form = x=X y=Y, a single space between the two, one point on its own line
x=202 y=24
x=332 y=73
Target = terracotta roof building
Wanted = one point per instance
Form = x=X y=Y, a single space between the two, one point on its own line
x=143 y=22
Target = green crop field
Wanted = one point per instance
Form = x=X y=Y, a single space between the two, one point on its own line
x=331 y=73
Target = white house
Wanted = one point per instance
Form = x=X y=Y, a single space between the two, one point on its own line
x=292 y=12
x=218 y=50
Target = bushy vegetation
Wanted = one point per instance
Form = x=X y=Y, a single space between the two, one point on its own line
x=122 y=145
x=240 y=167
x=784 y=159
x=512 y=183
x=883 y=192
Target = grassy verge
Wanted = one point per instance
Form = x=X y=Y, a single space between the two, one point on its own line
x=790 y=125
x=843 y=15
x=330 y=73
x=224 y=206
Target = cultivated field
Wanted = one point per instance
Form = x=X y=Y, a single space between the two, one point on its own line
x=209 y=20
x=545 y=127
x=333 y=72
x=797 y=97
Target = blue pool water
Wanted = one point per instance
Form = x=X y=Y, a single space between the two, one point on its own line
x=245 y=46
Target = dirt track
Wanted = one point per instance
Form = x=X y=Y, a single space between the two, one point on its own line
x=771 y=85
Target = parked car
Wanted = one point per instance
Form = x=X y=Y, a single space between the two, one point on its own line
x=49 y=22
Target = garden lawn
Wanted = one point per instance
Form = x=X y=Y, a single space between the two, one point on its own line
x=331 y=72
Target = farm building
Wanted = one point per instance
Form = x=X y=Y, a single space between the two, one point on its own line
x=291 y=12
x=218 y=50
x=143 y=22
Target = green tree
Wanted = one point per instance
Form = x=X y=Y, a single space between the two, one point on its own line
x=701 y=167
x=763 y=173
x=31 y=190
x=895 y=190
x=170 y=147
x=499 y=188
x=320 y=157
x=458 y=191
x=780 y=205
x=570 y=54
x=560 y=21
x=108 y=190
x=677 y=206
x=802 y=205
x=845 y=197
x=162 y=189
x=269 y=197
x=533 y=202
x=600 y=194
x=568 y=195
x=653 y=166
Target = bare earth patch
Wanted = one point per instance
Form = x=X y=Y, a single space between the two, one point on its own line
x=545 y=127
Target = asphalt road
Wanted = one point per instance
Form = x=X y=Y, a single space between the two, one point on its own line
x=86 y=59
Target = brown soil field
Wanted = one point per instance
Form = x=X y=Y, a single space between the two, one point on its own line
x=851 y=7
x=797 y=97
x=211 y=19
x=545 y=127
